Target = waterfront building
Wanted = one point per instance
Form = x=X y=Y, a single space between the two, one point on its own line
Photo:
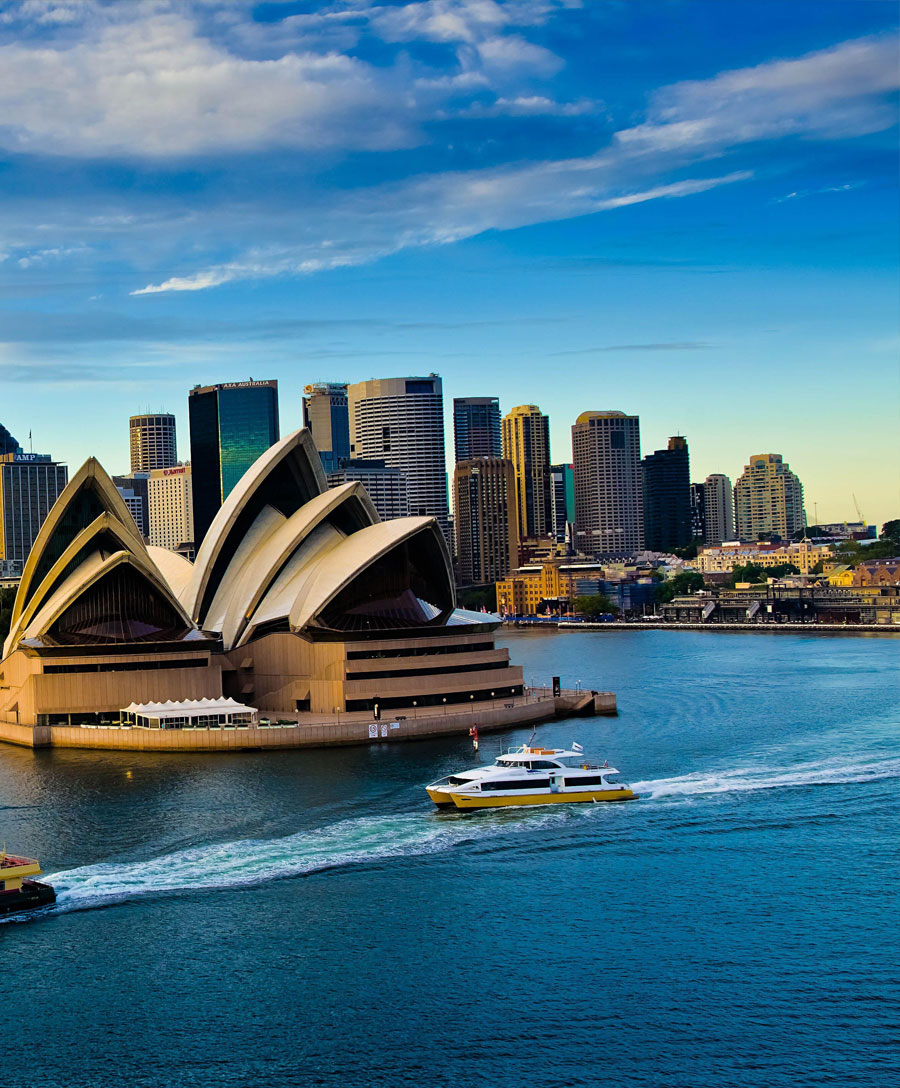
x=723 y=558
x=135 y=494
x=877 y=572
x=231 y=426
x=171 y=507
x=719 y=516
x=698 y=512
x=300 y=601
x=401 y=421
x=554 y=584
x=151 y=439
x=562 y=501
x=487 y=536
x=526 y=443
x=768 y=499
x=606 y=451
x=326 y=414
x=666 y=479
x=30 y=484
x=476 y=428
x=386 y=487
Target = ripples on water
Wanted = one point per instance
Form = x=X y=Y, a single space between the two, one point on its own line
x=726 y=928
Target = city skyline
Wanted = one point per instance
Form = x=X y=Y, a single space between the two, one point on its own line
x=561 y=208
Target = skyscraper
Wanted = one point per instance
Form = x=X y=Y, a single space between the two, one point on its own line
x=30 y=483
x=231 y=426
x=606 y=455
x=485 y=520
x=386 y=487
x=171 y=507
x=562 y=499
x=152 y=441
x=698 y=512
x=526 y=442
x=768 y=498
x=666 y=477
x=719 y=517
x=401 y=421
x=476 y=427
x=327 y=415
x=134 y=489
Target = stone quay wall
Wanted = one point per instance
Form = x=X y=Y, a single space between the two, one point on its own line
x=539 y=705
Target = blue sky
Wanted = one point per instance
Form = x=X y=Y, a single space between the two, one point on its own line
x=685 y=210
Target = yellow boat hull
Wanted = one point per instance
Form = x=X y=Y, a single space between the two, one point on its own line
x=440 y=797
x=588 y=796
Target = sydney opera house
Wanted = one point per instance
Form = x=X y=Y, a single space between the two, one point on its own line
x=301 y=605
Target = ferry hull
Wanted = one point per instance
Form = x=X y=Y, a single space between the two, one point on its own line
x=528 y=799
x=30 y=896
x=440 y=797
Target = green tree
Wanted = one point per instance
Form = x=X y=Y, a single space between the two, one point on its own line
x=474 y=598
x=597 y=604
x=891 y=530
x=689 y=581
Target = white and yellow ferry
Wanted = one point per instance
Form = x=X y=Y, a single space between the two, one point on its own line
x=532 y=776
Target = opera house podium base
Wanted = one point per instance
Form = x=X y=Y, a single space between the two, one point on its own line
x=318 y=731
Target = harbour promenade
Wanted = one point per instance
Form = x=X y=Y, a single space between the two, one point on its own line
x=304 y=730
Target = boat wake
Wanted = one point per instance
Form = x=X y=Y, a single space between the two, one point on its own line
x=370 y=839
x=253 y=861
x=759 y=777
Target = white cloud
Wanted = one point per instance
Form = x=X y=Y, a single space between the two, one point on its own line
x=152 y=87
x=158 y=78
x=832 y=94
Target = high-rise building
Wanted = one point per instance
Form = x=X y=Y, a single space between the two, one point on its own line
x=30 y=483
x=476 y=427
x=327 y=415
x=562 y=500
x=606 y=455
x=231 y=426
x=171 y=507
x=666 y=476
x=768 y=498
x=698 y=512
x=387 y=487
x=152 y=441
x=718 y=523
x=526 y=442
x=401 y=421
x=485 y=519
x=134 y=491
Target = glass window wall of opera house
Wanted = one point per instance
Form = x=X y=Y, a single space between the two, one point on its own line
x=300 y=602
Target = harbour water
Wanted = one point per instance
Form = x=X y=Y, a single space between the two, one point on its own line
x=307 y=918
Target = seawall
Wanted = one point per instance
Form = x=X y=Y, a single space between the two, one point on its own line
x=539 y=706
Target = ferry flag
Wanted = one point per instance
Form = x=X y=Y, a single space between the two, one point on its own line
x=577 y=748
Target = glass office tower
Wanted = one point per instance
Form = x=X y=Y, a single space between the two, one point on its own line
x=231 y=426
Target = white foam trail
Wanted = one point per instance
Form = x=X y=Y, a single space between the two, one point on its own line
x=743 y=779
x=251 y=861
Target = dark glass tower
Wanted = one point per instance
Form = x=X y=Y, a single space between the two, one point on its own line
x=476 y=427
x=231 y=426
x=667 y=497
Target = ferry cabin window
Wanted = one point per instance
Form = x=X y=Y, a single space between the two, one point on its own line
x=516 y=784
x=542 y=765
x=585 y=780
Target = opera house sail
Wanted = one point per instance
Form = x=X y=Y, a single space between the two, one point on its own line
x=301 y=603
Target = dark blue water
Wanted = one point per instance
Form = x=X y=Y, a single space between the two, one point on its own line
x=737 y=926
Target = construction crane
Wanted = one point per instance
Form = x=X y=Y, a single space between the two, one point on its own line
x=859 y=512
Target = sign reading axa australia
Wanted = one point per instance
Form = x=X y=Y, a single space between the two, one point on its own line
x=245 y=385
